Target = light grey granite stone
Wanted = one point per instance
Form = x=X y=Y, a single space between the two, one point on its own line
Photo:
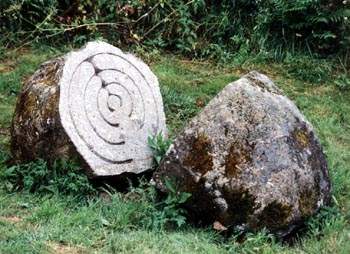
x=110 y=103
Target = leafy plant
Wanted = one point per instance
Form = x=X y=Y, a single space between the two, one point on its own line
x=343 y=82
x=171 y=205
x=310 y=24
x=196 y=28
x=62 y=177
x=168 y=212
x=159 y=146
x=3 y=157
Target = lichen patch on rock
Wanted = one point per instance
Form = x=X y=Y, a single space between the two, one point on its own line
x=200 y=159
x=250 y=160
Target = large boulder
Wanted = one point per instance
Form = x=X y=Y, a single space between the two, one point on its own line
x=250 y=160
x=97 y=104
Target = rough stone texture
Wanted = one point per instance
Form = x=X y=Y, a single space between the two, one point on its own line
x=36 y=127
x=250 y=160
x=98 y=101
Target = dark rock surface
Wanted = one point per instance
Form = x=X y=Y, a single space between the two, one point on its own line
x=36 y=127
x=250 y=160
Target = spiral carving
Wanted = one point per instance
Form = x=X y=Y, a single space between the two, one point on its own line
x=110 y=103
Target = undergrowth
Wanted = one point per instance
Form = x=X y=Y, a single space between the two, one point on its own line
x=62 y=177
x=195 y=28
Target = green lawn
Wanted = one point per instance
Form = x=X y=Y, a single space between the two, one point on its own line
x=130 y=222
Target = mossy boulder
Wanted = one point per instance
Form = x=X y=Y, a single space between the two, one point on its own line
x=250 y=160
x=98 y=104
x=36 y=130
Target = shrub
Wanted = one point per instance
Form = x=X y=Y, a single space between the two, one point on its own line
x=320 y=25
x=193 y=27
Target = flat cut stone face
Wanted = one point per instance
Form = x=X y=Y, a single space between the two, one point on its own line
x=110 y=104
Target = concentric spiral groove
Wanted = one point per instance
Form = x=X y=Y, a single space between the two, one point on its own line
x=110 y=103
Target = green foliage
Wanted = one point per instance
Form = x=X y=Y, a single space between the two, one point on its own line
x=328 y=215
x=260 y=242
x=183 y=105
x=164 y=213
x=170 y=210
x=10 y=81
x=3 y=158
x=308 y=69
x=320 y=25
x=186 y=90
x=200 y=28
x=343 y=82
x=159 y=146
x=62 y=177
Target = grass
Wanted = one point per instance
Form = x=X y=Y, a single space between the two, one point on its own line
x=130 y=222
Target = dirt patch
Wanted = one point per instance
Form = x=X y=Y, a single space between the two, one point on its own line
x=59 y=248
x=4 y=131
x=7 y=66
x=11 y=219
